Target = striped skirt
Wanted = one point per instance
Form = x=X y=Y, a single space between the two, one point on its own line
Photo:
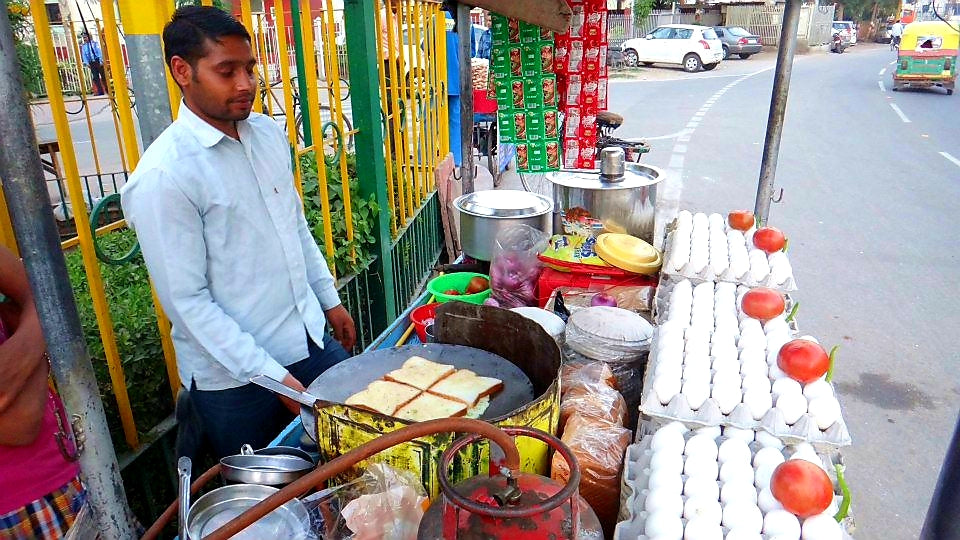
x=47 y=518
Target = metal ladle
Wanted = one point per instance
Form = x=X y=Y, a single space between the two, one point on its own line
x=185 y=469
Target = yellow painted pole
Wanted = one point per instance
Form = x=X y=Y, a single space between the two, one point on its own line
x=286 y=84
x=384 y=99
x=6 y=228
x=395 y=55
x=444 y=101
x=72 y=37
x=206 y=2
x=119 y=76
x=313 y=109
x=65 y=138
x=425 y=49
x=173 y=91
x=246 y=17
x=435 y=85
x=414 y=116
x=336 y=109
x=417 y=82
x=115 y=117
x=265 y=66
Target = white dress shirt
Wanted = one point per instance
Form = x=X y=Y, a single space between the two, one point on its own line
x=225 y=240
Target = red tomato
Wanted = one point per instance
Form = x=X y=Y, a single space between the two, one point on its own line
x=762 y=303
x=803 y=488
x=452 y=292
x=803 y=360
x=741 y=220
x=769 y=239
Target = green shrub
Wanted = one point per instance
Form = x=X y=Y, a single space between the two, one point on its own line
x=138 y=339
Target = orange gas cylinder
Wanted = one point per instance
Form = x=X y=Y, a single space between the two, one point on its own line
x=508 y=504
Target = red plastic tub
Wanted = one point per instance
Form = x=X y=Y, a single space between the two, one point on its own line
x=422 y=317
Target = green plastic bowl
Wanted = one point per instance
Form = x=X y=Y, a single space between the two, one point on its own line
x=458 y=281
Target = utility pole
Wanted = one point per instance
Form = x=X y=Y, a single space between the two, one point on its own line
x=464 y=33
x=25 y=191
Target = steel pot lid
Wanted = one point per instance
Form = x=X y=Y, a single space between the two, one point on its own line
x=503 y=204
x=635 y=176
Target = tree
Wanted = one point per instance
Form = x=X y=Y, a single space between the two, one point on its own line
x=31 y=71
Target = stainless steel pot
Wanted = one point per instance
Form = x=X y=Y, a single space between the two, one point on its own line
x=622 y=198
x=218 y=507
x=483 y=214
x=269 y=470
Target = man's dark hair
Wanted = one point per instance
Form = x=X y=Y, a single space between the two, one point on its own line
x=191 y=26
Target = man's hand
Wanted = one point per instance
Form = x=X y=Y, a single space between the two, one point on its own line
x=292 y=382
x=344 y=330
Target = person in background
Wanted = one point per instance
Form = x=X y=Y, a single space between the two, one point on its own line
x=896 y=33
x=224 y=237
x=93 y=58
x=481 y=38
x=40 y=489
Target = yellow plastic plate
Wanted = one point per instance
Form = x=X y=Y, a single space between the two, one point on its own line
x=629 y=253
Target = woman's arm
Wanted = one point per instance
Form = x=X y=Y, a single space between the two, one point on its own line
x=23 y=369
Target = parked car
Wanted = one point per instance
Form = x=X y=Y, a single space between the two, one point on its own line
x=847 y=31
x=736 y=40
x=885 y=35
x=689 y=45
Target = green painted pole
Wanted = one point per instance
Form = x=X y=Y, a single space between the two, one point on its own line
x=301 y=70
x=362 y=40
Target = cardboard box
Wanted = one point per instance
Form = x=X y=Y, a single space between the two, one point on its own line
x=535 y=128
x=533 y=93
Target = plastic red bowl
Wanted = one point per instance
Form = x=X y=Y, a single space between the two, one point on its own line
x=422 y=317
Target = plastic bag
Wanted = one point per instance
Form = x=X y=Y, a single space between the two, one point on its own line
x=594 y=399
x=390 y=510
x=515 y=268
x=574 y=375
x=599 y=446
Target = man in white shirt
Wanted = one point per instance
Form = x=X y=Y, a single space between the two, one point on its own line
x=225 y=240
x=896 y=32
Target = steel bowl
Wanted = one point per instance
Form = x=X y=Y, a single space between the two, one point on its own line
x=268 y=470
x=216 y=508
x=484 y=214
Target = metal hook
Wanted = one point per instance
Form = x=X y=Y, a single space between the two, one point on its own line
x=778 y=198
x=456 y=174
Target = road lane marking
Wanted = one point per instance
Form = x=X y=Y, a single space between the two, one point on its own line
x=882 y=71
x=892 y=63
x=899 y=113
x=676 y=162
x=951 y=159
x=680 y=149
x=882 y=88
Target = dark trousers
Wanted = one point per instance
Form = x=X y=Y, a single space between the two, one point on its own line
x=98 y=78
x=221 y=421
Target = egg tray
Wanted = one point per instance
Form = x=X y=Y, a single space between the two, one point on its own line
x=707 y=274
x=661 y=300
x=636 y=476
x=709 y=414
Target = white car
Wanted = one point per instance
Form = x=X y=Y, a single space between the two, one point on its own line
x=848 y=32
x=689 y=45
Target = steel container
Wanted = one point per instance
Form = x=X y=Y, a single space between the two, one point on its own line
x=483 y=214
x=620 y=199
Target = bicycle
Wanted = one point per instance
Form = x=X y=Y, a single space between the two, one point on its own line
x=277 y=110
x=895 y=44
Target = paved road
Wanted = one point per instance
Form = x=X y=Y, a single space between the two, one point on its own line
x=870 y=206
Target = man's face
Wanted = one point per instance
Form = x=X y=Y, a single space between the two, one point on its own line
x=222 y=83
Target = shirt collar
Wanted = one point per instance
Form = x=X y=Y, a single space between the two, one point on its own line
x=206 y=134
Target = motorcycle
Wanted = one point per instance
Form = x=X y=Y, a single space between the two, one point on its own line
x=838 y=45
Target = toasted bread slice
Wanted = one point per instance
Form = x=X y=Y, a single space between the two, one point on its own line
x=384 y=397
x=429 y=407
x=466 y=387
x=419 y=373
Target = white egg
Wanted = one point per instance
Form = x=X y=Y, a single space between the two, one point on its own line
x=726 y=396
x=719 y=262
x=693 y=372
x=768 y=440
x=754 y=366
x=697 y=391
x=750 y=340
x=716 y=221
x=702 y=530
x=751 y=326
x=776 y=325
x=809 y=338
x=727 y=324
x=792 y=406
x=781 y=523
x=821 y=527
x=759 y=267
x=698 y=334
x=733 y=450
x=756 y=381
x=767 y=502
x=745 y=435
x=703 y=317
x=728 y=369
x=768 y=455
x=699 y=487
x=725 y=287
x=743 y=515
x=695 y=347
x=785 y=386
x=677 y=427
x=810 y=456
x=739 y=491
x=723 y=341
x=679 y=314
x=700 y=466
x=665 y=481
x=705 y=289
x=663 y=525
x=703 y=509
x=816 y=389
x=753 y=354
x=684 y=286
x=672 y=462
x=776 y=340
x=666 y=387
x=702 y=444
x=684 y=218
x=757 y=402
x=725 y=352
x=742 y=534
x=678 y=258
x=762 y=475
x=701 y=220
x=824 y=410
x=739 y=262
x=712 y=432
x=668 y=439
x=736 y=471
x=775 y=373
x=698 y=364
x=662 y=501
x=671 y=368
x=780 y=269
